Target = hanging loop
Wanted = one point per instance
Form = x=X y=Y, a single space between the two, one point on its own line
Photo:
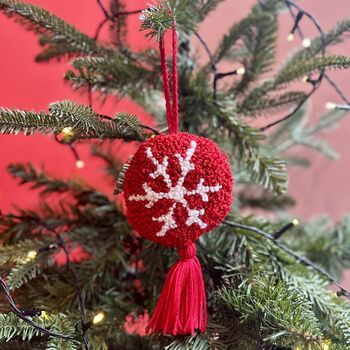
x=172 y=108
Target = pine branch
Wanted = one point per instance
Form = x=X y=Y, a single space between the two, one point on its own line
x=111 y=75
x=259 y=50
x=81 y=119
x=17 y=253
x=22 y=273
x=270 y=6
x=197 y=342
x=13 y=121
x=236 y=32
x=157 y=20
x=302 y=68
x=289 y=74
x=269 y=172
x=270 y=105
x=117 y=27
x=60 y=37
x=297 y=132
x=333 y=37
x=204 y=7
x=27 y=174
x=257 y=297
x=55 y=52
x=262 y=169
x=264 y=200
x=11 y=326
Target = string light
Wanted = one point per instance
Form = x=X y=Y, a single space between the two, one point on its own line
x=240 y=71
x=79 y=164
x=44 y=315
x=306 y=42
x=290 y=37
x=305 y=79
x=31 y=255
x=285 y=228
x=326 y=344
x=330 y=106
x=67 y=133
x=68 y=130
x=98 y=318
x=295 y=222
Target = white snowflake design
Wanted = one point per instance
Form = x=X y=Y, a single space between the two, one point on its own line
x=176 y=193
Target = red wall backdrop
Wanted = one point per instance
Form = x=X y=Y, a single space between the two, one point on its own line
x=25 y=84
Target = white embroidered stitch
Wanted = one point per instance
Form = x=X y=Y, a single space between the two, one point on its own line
x=176 y=193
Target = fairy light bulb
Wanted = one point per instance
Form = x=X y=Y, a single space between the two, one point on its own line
x=290 y=37
x=98 y=318
x=295 y=222
x=68 y=130
x=31 y=255
x=326 y=344
x=306 y=42
x=44 y=315
x=330 y=106
x=67 y=133
x=240 y=71
x=79 y=164
x=305 y=79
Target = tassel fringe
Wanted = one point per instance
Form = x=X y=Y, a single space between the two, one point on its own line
x=181 y=308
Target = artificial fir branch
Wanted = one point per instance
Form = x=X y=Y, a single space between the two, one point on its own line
x=56 y=31
x=299 y=258
x=96 y=223
x=81 y=119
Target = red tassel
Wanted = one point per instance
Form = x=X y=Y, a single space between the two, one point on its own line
x=181 y=308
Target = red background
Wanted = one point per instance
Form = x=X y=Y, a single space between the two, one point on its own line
x=28 y=85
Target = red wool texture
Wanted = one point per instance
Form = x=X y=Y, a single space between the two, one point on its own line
x=210 y=166
x=177 y=188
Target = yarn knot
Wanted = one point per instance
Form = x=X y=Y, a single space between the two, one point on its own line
x=188 y=252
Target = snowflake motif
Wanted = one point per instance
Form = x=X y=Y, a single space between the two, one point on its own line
x=177 y=193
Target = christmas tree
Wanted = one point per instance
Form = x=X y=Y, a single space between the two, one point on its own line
x=266 y=289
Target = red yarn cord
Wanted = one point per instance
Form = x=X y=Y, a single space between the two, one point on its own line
x=175 y=83
x=171 y=110
x=165 y=81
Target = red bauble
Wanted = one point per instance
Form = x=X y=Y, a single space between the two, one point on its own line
x=177 y=188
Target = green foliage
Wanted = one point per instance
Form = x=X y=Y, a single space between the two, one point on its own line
x=288 y=74
x=284 y=314
x=272 y=104
x=22 y=273
x=270 y=173
x=115 y=74
x=81 y=119
x=195 y=342
x=258 y=45
x=11 y=328
x=335 y=36
x=232 y=38
x=157 y=19
x=117 y=28
x=57 y=37
x=260 y=167
x=259 y=296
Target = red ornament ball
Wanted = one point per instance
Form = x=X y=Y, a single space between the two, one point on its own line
x=177 y=188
